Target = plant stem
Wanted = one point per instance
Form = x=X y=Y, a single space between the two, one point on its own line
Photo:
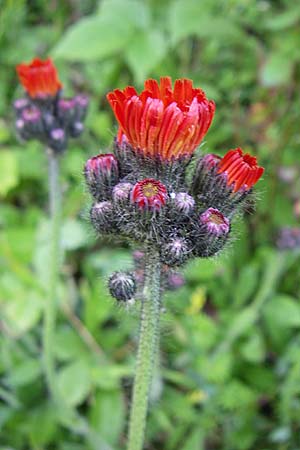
x=147 y=351
x=54 y=268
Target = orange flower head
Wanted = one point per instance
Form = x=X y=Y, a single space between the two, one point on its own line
x=241 y=169
x=162 y=122
x=39 y=78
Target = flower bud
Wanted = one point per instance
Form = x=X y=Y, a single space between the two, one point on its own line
x=102 y=216
x=20 y=104
x=101 y=174
x=81 y=105
x=211 y=234
x=184 y=203
x=76 y=129
x=57 y=140
x=174 y=281
x=29 y=124
x=175 y=252
x=149 y=195
x=121 y=192
x=122 y=286
x=205 y=174
x=214 y=222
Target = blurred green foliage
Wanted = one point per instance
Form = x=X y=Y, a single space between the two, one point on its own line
x=229 y=376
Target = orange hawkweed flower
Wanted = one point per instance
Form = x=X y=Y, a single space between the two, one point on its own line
x=39 y=78
x=161 y=121
x=241 y=169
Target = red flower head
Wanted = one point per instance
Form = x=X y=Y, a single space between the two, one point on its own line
x=241 y=169
x=149 y=194
x=39 y=78
x=161 y=121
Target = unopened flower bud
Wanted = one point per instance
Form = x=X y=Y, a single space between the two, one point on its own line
x=121 y=192
x=174 y=281
x=101 y=174
x=176 y=252
x=122 y=286
x=66 y=110
x=76 y=129
x=57 y=140
x=102 y=216
x=29 y=124
x=81 y=105
x=184 y=202
x=20 y=104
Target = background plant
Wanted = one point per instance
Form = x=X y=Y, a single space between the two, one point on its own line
x=230 y=363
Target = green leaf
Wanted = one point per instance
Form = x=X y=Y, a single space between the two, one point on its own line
x=9 y=171
x=108 y=415
x=74 y=234
x=74 y=381
x=145 y=51
x=42 y=425
x=284 y=20
x=94 y=38
x=25 y=372
x=276 y=70
x=191 y=17
x=282 y=311
x=253 y=350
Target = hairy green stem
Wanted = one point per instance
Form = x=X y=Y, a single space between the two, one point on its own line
x=54 y=267
x=147 y=351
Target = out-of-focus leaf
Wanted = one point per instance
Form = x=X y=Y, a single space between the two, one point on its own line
x=74 y=382
x=276 y=70
x=145 y=51
x=94 y=38
x=42 y=425
x=191 y=17
x=282 y=311
x=108 y=405
x=284 y=20
x=73 y=235
x=9 y=171
x=25 y=372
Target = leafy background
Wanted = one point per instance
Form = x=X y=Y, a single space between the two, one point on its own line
x=229 y=376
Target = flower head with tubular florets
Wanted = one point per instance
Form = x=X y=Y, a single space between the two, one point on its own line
x=162 y=122
x=39 y=78
x=241 y=169
x=59 y=118
x=149 y=194
x=157 y=197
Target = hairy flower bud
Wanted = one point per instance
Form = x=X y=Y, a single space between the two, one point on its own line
x=149 y=194
x=101 y=174
x=211 y=233
x=81 y=105
x=175 y=252
x=57 y=140
x=184 y=202
x=174 y=280
x=30 y=124
x=121 y=192
x=122 y=286
x=214 y=222
x=102 y=217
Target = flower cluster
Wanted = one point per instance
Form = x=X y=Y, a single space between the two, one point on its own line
x=148 y=193
x=43 y=114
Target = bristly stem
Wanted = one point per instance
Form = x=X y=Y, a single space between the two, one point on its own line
x=54 y=268
x=147 y=350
